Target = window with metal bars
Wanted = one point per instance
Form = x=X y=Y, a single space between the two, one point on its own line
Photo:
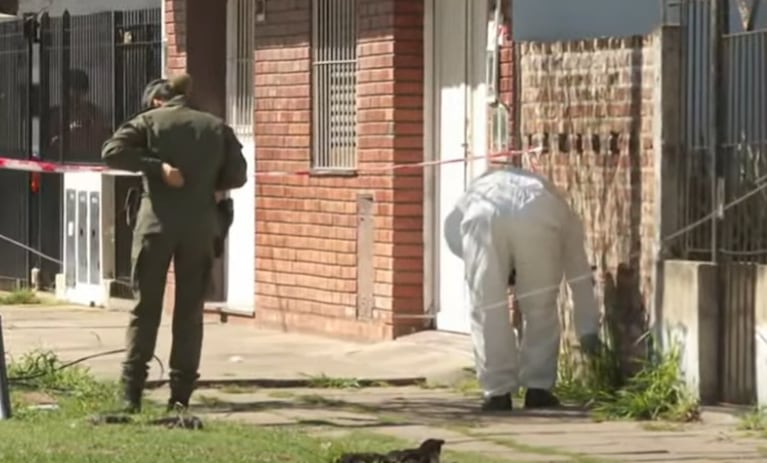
x=334 y=85
x=241 y=19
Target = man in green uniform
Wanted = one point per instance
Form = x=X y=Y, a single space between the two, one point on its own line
x=185 y=156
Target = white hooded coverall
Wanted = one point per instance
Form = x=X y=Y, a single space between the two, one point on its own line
x=514 y=219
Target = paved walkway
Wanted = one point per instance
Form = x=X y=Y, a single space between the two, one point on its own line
x=233 y=351
x=413 y=413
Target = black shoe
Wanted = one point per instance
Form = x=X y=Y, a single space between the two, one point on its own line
x=541 y=398
x=497 y=403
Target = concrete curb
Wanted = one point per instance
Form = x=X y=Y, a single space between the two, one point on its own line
x=308 y=383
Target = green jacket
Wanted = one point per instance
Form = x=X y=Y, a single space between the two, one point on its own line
x=200 y=145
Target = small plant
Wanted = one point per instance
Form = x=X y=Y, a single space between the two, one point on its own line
x=755 y=420
x=42 y=371
x=655 y=392
x=24 y=296
x=326 y=382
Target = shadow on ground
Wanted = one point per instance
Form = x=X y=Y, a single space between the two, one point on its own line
x=372 y=408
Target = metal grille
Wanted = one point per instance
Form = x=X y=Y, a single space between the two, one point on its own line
x=138 y=41
x=696 y=162
x=15 y=137
x=744 y=144
x=240 y=46
x=15 y=141
x=334 y=84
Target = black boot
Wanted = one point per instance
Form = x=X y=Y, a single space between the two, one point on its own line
x=497 y=403
x=540 y=398
x=132 y=396
x=131 y=405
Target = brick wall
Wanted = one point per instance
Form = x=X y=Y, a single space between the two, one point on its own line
x=507 y=72
x=175 y=35
x=306 y=227
x=590 y=105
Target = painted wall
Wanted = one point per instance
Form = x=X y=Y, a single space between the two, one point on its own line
x=548 y=20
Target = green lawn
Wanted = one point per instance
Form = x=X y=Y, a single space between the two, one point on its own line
x=67 y=436
x=62 y=437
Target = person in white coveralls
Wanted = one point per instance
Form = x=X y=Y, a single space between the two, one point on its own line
x=512 y=224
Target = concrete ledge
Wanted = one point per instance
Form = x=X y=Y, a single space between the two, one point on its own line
x=307 y=383
x=690 y=321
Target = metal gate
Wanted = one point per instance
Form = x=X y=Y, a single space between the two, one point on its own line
x=724 y=115
x=66 y=82
x=15 y=142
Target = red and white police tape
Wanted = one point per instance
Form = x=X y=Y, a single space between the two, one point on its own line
x=33 y=165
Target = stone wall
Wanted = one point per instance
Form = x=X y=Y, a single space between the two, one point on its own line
x=590 y=106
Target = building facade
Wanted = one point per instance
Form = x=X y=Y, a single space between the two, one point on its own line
x=343 y=90
x=340 y=91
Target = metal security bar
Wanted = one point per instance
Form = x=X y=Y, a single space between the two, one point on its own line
x=744 y=144
x=334 y=84
x=15 y=141
x=15 y=80
x=240 y=46
x=696 y=165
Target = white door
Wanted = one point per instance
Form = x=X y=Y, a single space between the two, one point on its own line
x=241 y=251
x=460 y=28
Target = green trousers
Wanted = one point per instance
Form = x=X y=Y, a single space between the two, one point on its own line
x=151 y=257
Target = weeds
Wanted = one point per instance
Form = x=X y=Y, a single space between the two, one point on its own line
x=40 y=373
x=23 y=296
x=755 y=420
x=655 y=392
x=327 y=382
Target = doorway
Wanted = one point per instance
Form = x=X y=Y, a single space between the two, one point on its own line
x=240 y=273
x=457 y=35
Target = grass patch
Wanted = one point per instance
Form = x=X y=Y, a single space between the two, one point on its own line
x=755 y=420
x=655 y=392
x=64 y=434
x=24 y=296
x=328 y=382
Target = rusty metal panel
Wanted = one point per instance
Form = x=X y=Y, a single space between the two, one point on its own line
x=365 y=256
x=738 y=312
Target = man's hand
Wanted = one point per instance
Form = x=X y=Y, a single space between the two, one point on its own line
x=591 y=345
x=172 y=176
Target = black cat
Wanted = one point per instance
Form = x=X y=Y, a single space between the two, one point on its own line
x=428 y=452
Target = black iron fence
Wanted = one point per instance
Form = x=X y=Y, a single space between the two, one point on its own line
x=724 y=127
x=15 y=142
x=724 y=160
x=66 y=82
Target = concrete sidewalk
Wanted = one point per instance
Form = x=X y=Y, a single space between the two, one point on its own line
x=411 y=413
x=234 y=352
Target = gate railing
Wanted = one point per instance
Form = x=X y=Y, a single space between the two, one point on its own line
x=724 y=120
x=66 y=82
